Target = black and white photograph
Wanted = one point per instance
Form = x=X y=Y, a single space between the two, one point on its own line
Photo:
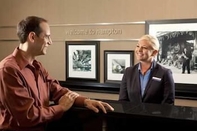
x=178 y=47
x=82 y=60
x=115 y=62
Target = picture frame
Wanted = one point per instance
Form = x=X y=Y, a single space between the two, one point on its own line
x=82 y=61
x=115 y=62
x=175 y=36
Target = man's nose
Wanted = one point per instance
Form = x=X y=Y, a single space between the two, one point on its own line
x=50 y=41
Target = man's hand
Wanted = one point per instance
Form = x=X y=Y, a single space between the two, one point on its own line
x=95 y=105
x=67 y=100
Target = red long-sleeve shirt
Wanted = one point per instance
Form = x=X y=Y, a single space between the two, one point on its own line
x=25 y=93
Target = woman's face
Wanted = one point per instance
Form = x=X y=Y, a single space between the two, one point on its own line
x=144 y=51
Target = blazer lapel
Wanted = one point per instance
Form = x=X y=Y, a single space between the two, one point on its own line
x=153 y=73
x=137 y=82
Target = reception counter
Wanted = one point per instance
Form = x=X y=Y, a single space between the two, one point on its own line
x=128 y=116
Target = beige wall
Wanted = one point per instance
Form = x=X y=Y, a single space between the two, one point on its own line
x=84 y=14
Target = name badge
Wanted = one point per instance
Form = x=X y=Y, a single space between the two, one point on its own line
x=156 y=78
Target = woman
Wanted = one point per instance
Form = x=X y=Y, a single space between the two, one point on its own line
x=147 y=81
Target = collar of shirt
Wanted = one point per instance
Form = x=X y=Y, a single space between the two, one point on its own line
x=152 y=65
x=21 y=60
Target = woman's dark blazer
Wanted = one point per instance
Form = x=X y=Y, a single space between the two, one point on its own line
x=160 y=88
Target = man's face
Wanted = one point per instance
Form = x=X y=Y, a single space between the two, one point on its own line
x=43 y=40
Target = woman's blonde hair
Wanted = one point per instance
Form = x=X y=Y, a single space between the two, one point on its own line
x=154 y=42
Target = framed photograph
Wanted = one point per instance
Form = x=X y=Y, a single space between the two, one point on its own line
x=82 y=61
x=115 y=62
x=178 y=47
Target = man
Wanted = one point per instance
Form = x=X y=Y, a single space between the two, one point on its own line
x=147 y=81
x=26 y=87
x=186 y=57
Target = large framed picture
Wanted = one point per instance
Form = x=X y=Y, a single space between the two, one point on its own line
x=82 y=61
x=178 y=47
x=115 y=62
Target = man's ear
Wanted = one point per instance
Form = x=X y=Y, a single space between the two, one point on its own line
x=31 y=36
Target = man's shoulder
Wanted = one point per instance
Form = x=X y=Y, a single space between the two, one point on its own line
x=8 y=61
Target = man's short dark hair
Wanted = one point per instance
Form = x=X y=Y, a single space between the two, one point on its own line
x=27 y=25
